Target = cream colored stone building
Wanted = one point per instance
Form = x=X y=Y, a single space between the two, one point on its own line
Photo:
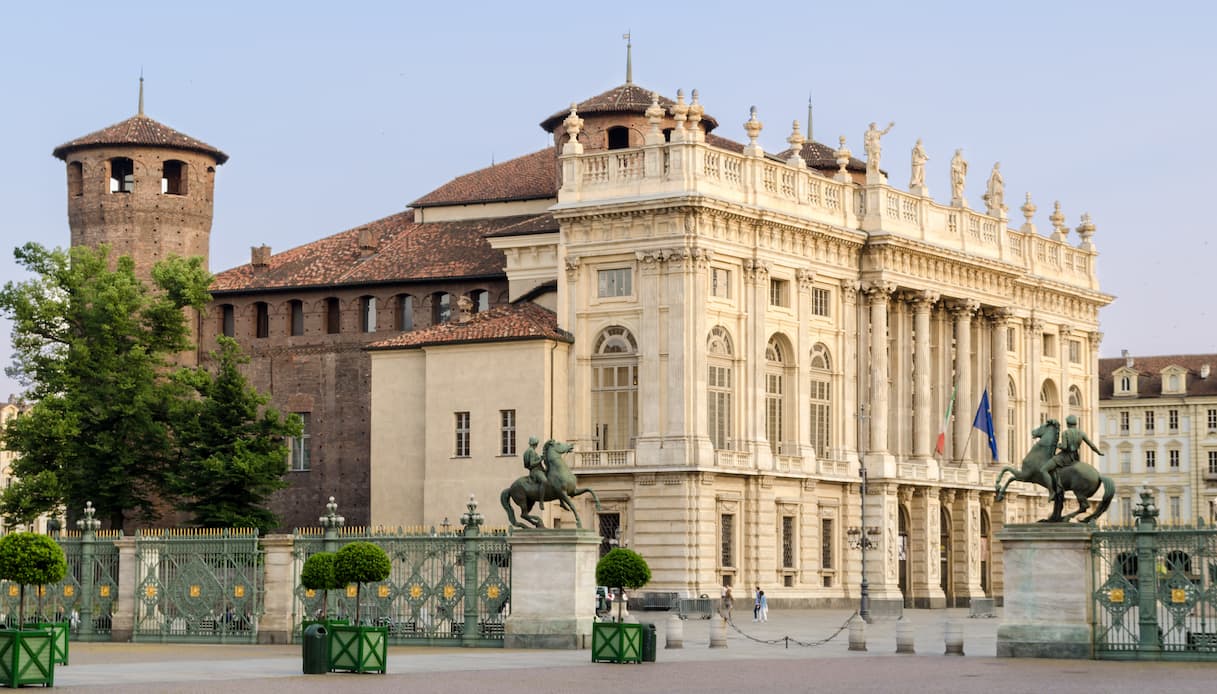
x=10 y=410
x=745 y=331
x=1159 y=425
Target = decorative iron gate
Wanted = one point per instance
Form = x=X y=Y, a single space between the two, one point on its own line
x=446 y=588
x=1155 y=590
x=87 y=594
x=198 y=585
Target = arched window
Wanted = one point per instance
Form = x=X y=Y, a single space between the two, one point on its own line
x=1050 y=402
x=615 y=389
x=367 y=314
x=1011 y=418
x=296 y=317
x=403 y=314
x=333 y=316
x=720 y=389
x=480 y=299
x=820 y=396
x=76 y=179
x=122 y=175
x=777 y=364
x=618 y=137
x=227 y=320
x=173 y=177
x=261 y=319
x=1125 y=384
x=1075 y=400
x=441 y=307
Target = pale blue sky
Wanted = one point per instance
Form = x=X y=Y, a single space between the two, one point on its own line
x=336 y=115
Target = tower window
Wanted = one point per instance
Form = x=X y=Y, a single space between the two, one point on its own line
x=122 y=175
x=480 y=299
x=367 y=314
x=441 y=307
x=76 y=179
x=297 y=317
x=333 y=316
x=403 y=317
x=261 y=319
x=227 y=327
x=173 y=177
x=618 y=137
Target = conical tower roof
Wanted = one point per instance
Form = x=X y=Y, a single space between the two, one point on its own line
x=627 y=98
x=139 y=131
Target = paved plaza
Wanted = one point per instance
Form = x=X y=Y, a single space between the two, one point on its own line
x=748 y=662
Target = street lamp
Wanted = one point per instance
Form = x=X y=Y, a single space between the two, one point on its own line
x=862 y=537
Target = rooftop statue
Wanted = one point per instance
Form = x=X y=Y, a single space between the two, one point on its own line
x=1059 y=470
x=870 y=141
x=995 y=194
x=548 y=479
x=959 y=174
x=919 y=159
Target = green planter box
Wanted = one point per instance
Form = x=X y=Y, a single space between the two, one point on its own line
x=616 y=642
x=59 y=644
x=358 y=649
x=27 y=657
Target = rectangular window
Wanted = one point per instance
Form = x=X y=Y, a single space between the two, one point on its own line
x=297 y=327
x=1213 y=462
x=299 y=447
x=1172 y=420
x=788 y=542
x=1149 y=421
x=227 y=321
x=1125 y=462
x=615 y=282
x=820 y=302
x=1212 y=419
x=333 y=316
x=367 y=314
x=1151 y=460
x=720 y=283
x=1176 y=509
x=507 y=432
x=779 y=293
x=610 y=531
x=1010 y=335
x=826 y=553
x=1049 y=345
x=774 y=404
x=261 y=319
x=821 y=416
x=1127 y=505
x=727 y=540
x=1172 y=457
x=1075 y=351
x=1124 y=422
x=719 y=407
x=462 y=435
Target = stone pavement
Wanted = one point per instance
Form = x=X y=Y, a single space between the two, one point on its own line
x=747 y=662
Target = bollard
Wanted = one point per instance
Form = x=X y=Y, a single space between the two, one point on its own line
x=954 y=638
x=857 y=634
x=675 y=637
x=904 y=636
x=718 y=632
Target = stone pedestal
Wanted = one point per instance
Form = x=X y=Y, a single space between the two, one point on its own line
x=553 y=589
x=1048 y=586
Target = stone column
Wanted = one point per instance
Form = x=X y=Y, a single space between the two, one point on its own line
x=701 y=447
x=923 y=418
x=1035 y=354
x=276 y=623
x=924 y=581
x=849 y=397
x=900 y=435
x=967 y=544
x=1064 y=335
x=1092 y=399
x=756 y=289
x=1000 y=399
x=1047 y=590
x=965 y=405
x=877 y=294
x=122 y=626
x=650 y=401
x=801 y=388
x=553 y=589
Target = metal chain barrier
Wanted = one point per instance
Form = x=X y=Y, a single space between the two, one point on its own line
x=787 y=640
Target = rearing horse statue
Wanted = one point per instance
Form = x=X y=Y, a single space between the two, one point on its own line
x=1080 y=478
x=560 y=485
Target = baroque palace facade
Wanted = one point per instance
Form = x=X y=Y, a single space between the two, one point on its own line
x=729 y=337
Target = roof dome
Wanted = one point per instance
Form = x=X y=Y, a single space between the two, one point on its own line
x=627 y=98
x=142 y=131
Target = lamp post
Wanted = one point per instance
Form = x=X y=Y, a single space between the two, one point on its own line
x=860 y=537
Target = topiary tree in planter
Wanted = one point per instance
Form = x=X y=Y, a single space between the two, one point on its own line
x=359 y=563
x=622 y=568
x=318 y=574
x=31 y=559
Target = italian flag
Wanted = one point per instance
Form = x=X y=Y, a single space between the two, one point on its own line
x=946 y=422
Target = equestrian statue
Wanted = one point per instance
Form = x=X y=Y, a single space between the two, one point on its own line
x=548 y=479
x=1059 y=469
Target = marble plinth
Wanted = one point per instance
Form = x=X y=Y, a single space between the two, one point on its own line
x=553 y=589
x=1048 y=586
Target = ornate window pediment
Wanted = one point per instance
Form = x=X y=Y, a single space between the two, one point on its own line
x=1125 y=382
x=1174 y=380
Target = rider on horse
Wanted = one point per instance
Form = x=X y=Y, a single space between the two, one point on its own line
x=1068 y=453
x=535 y=464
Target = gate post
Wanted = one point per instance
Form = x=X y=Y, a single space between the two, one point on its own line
x=275 y=625
x=1146 y=512
x=88 y=535
x=471 y=519
x=123 y=625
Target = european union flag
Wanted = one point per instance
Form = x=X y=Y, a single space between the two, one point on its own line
x=984 y=422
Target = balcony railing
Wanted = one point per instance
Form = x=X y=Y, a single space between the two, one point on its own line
x=588 y=459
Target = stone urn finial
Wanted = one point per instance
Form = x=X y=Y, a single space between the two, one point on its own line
x=843 y=155
x=696 y=111
x=753 y=127
x=680 y=109
x=1058 y=220
x=573 y=124
x=654 y=112
x=1086 y=231
x=796 y=138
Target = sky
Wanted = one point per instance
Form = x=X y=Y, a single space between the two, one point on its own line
x=335 y=115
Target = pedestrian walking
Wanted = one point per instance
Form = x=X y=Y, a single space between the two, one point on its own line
x=762 y=606
x=756 y=604
x=728 y=602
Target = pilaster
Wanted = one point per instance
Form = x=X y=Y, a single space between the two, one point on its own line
x=965 y=405
x=923 y=420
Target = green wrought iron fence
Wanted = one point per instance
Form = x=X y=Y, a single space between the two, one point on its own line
x=1155 y=591
x=85 y=597
x=446 y=588
x=198 y=584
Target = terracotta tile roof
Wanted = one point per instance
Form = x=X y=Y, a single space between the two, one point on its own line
x=627 y=98
x=139 y=130
x=1149 y=375
x=530 y=177
x=522 y=320
x=823 y=158
x=530 y=225
x=405 y=251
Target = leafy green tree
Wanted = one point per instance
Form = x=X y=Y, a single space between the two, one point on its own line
x=232 y=447
x=31 y=559
x=94 y=343
x=359 y=563
x=622 y=568
x=318 y=574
